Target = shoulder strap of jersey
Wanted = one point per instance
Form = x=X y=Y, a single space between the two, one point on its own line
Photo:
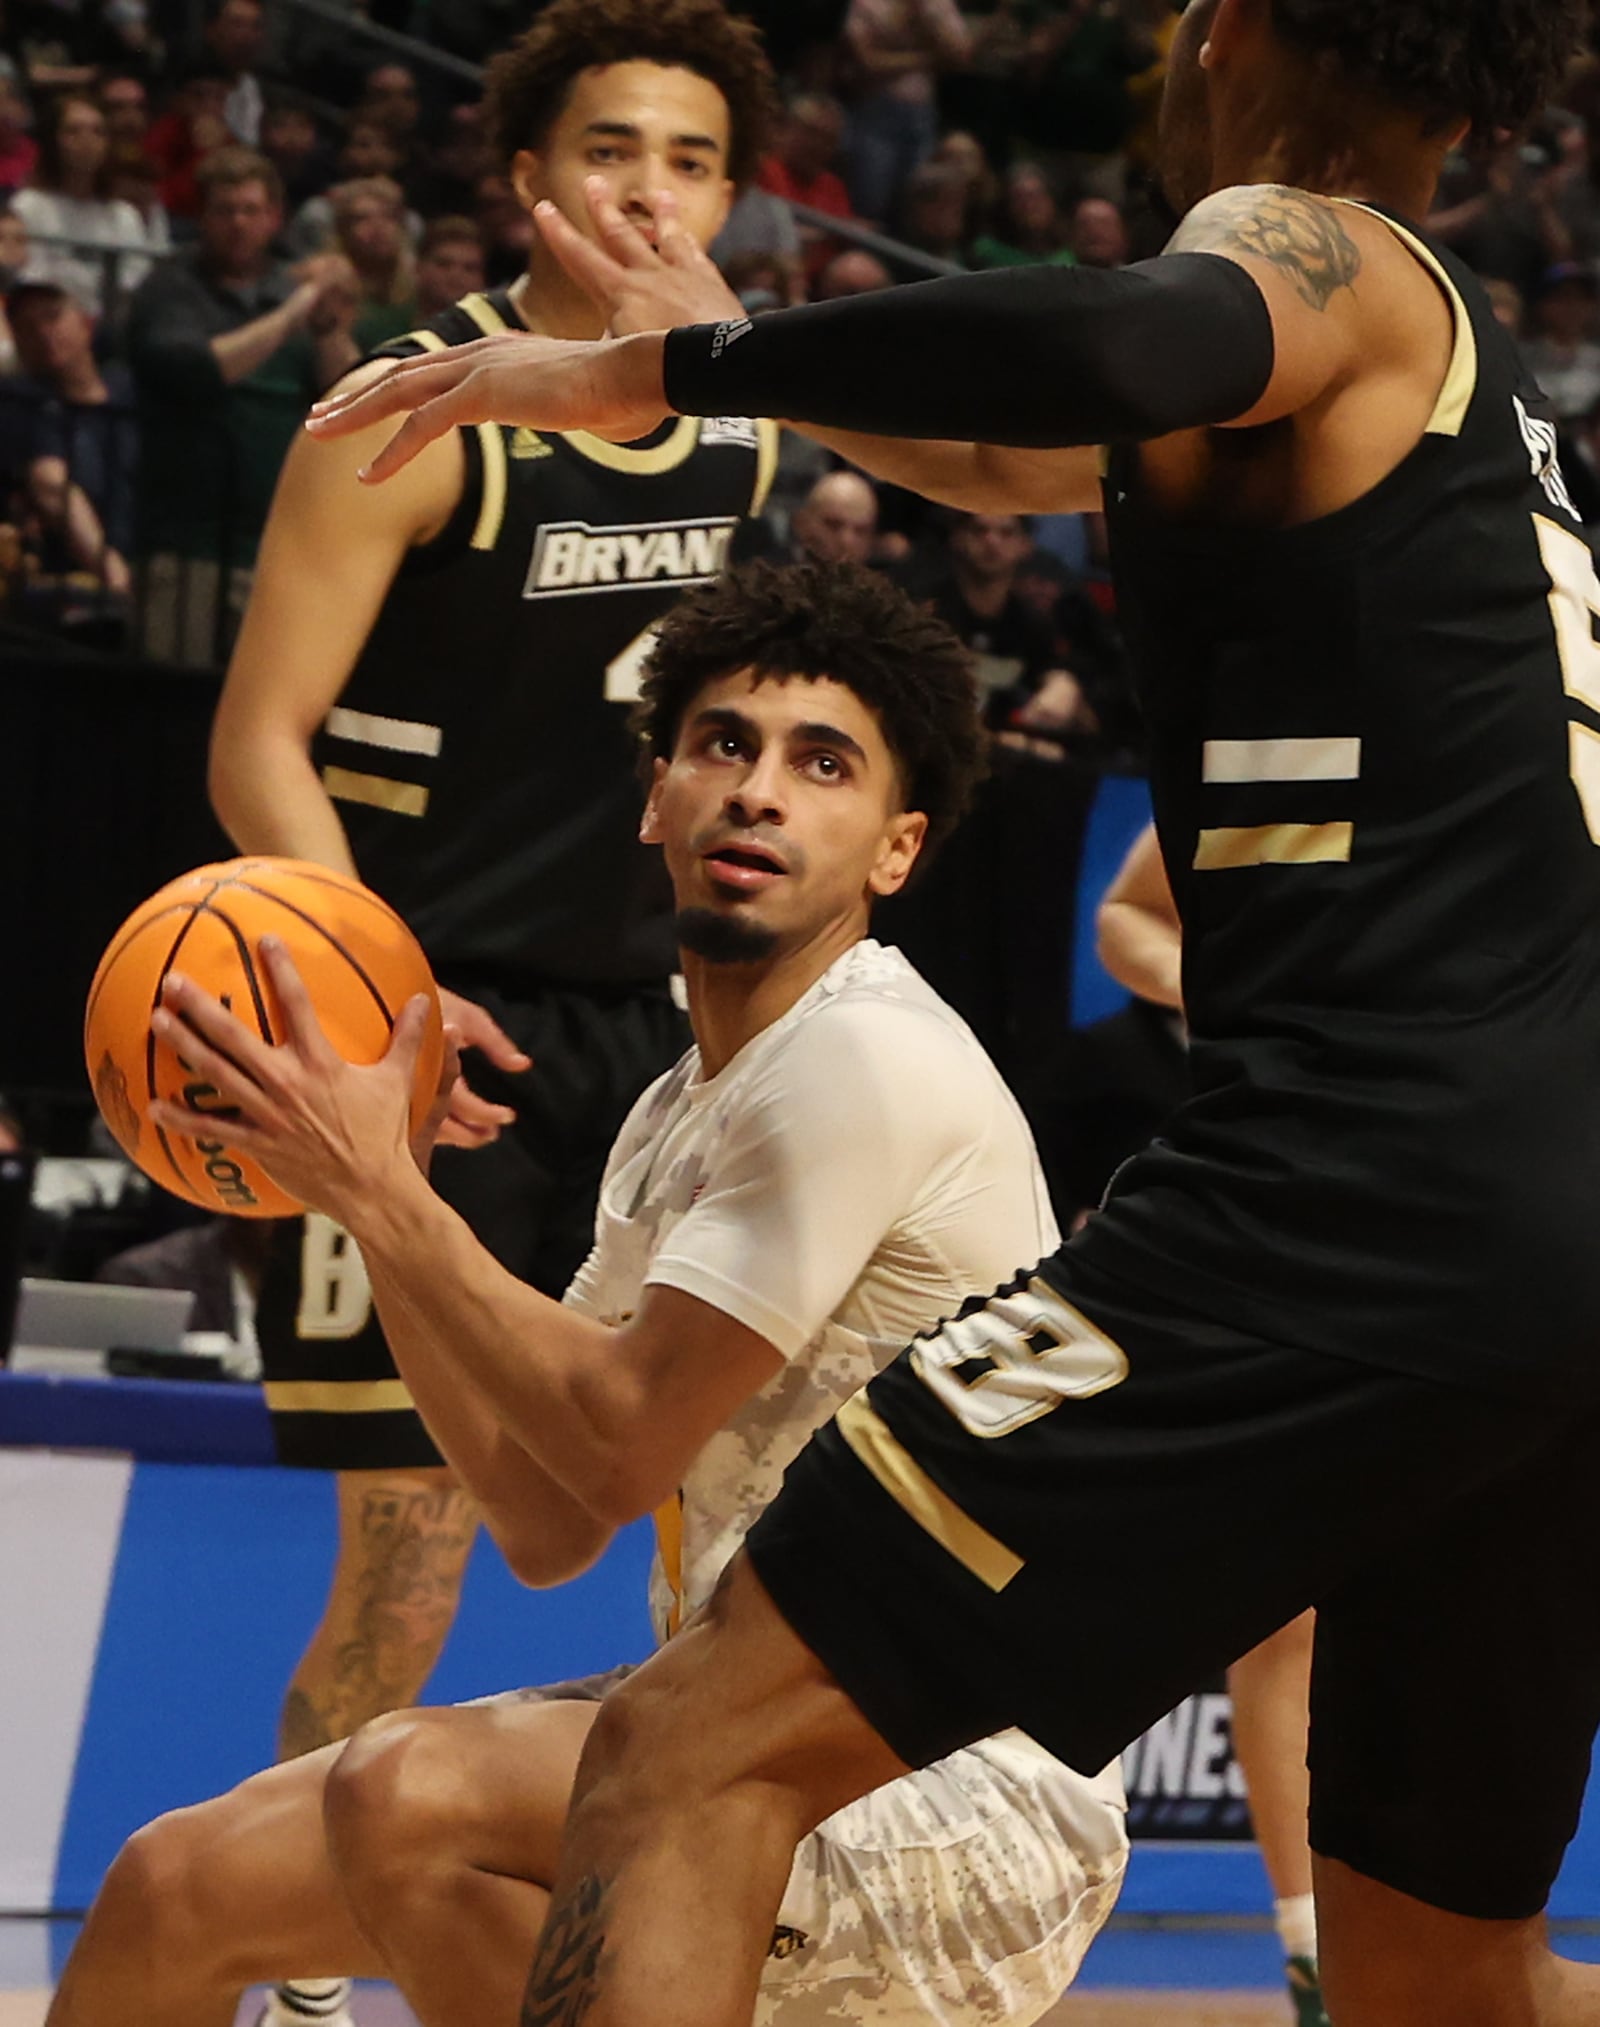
x=1461 y=377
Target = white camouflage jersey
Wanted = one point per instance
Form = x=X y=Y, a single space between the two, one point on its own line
x=851 y=1176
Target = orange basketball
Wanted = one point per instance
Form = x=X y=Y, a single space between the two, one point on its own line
x=359 y=961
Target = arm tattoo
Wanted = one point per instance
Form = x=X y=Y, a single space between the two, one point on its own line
x=566 y=1971
x=1301 y=236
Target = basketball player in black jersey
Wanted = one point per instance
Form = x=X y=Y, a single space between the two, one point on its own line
x=1335 y=1338
x=431 y=689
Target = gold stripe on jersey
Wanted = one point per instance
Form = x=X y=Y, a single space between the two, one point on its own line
x=484 y=314
x=377 y=791
x=337 y=1397
x=665 y=456
x=767 y=440
x=1273 y=844
x=492 y=506
x=910 y=1487
x=1461 y=377
x=668 y=1521
x=430 y=341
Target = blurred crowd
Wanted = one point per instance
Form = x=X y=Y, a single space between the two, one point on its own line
x=210 y=209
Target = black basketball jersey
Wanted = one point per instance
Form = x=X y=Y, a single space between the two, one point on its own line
x=479 y=754
x=1376 y=769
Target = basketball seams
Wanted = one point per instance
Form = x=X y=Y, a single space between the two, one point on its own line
x=163 y=937
x=311 y=922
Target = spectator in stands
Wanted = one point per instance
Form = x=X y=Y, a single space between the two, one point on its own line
x=368 y=149
x=933 y=211
x=19 y=152
x=80 y=233
x=228 y=347
x=1504 y=217
x=446 y=179
x=761 y=281
x=1097 y=233
x=391 y=99
x=1076 y=109
x=180 y=139
x=82 y=458
x=291 y=143
x=369 y=229
x=220 y=1262
x=1028 y=226
x=132 y=180
x=234 y=39
x=449 y=266
x=801 y=169
x=964 y=153
x=837 y=520
x=126 y=104
x=895 y=49
x=1562 y=353
x=506 y=226
x=13 y=260
x=762 y=226
x=1013 y=648
x=854 y=273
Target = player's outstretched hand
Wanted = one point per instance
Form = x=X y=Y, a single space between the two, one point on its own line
x=637 y=285
x=325 y=1130
x=611 y=386
x=470 y=1120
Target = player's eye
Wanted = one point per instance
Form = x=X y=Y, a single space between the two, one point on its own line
x=691 y=165
x=827 y=766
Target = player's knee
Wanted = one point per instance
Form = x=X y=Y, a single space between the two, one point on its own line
x=390 y=1802
x=164 y=1896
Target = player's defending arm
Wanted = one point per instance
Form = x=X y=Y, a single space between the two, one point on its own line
x=1137 y=932
x=328 y=557
x=1250 y=316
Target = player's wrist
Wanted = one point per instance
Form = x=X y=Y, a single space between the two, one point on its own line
x=637 y=364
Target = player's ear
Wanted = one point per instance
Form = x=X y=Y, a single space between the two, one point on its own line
x=528 y=179
x=1227 y=23
x=650 y=822
x=897 y=854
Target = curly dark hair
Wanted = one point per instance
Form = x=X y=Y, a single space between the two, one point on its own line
x=846 y=622
x=529 y=82
x=1491 y=62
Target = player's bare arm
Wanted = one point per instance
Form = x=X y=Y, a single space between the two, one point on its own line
x=613 y=1415
x=1137 y=933
x=641 y=287
x=328 y=557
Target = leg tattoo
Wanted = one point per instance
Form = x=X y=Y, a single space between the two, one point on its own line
x=566 y=1971
x=411 y=1548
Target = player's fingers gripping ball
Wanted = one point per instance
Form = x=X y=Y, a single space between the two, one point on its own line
x=360 y=964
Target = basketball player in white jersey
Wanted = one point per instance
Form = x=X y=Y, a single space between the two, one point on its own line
x=833 y=1165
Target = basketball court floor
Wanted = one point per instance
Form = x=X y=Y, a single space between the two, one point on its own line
x=1135 y=1977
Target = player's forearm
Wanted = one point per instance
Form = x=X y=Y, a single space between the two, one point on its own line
x=269 y=798
x=1036 y=357
x=1142 y=952
x=545 y=1534
x=549 y=1374
x=238 y=353
x=980 y=478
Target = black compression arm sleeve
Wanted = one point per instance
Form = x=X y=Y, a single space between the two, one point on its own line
x=1038 y=356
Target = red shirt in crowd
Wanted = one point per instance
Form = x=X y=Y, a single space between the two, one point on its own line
x=824 y=192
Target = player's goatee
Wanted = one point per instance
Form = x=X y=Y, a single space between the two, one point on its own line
x=723 y=939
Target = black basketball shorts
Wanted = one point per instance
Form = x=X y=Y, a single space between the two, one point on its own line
x=1069 y=1506
x=336 y=1400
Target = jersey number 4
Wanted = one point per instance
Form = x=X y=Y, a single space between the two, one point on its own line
x=1574 y=608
